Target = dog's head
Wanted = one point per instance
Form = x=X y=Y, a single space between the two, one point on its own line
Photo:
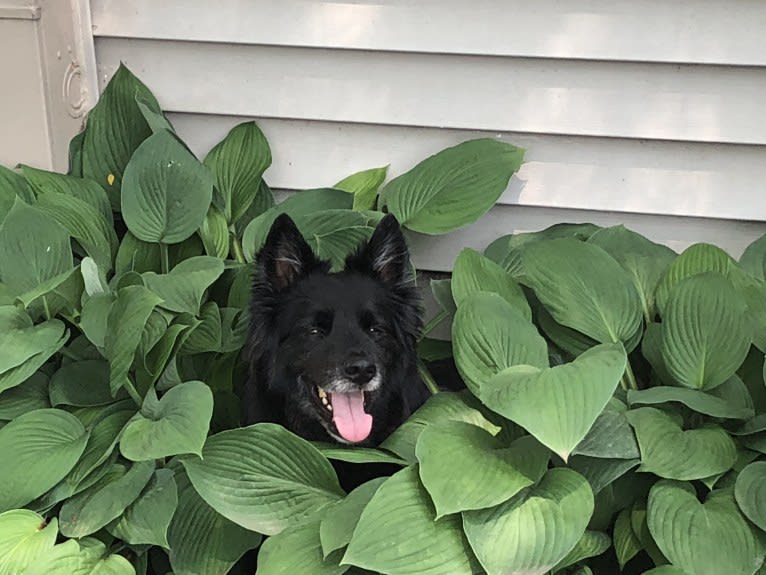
x=336 y=348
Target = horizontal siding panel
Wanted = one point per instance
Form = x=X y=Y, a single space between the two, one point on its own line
x=654 y=101
x=438 y=253
x=684 y=31
x=704 y=180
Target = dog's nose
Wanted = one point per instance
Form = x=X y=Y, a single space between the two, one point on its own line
x=360 y=371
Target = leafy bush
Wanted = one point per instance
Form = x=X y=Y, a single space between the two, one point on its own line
x=613 y=385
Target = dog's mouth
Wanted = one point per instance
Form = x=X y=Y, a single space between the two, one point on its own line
x=346 y=412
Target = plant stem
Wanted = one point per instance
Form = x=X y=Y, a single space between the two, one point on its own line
x=236 y=248
x=427 y=378
x=133 y=392
x=164 y=258
x=434 y=322
x=628 y=380
x=46 y=308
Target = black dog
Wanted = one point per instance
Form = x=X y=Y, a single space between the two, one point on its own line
x=332 y=355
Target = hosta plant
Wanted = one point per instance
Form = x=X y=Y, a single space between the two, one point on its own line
x=613 y=421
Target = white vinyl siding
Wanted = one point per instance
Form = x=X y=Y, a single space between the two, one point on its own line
x=643 y=112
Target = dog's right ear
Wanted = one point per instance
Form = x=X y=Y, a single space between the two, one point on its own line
x=285 y=255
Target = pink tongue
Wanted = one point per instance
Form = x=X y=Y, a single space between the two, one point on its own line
x=348 y=414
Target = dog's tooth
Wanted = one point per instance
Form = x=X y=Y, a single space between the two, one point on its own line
x=321 y=393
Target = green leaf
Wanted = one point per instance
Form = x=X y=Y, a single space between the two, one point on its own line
x=238 y=162
x=340 y=519
x=90 y=557
x=126 y=322
x=610 y=437
x=600 y=472
x=462 y=466
x=39 y=448
x=82 y=384
x=20 y=340
x=24 y=536
x=202 y=542
x=114 y=130
x=135 y=255
x=696 y=259
x=705 y=334
x=397 y=533
x=364 y=185
x=442 y=407
x=146 y=520
x=591 y=544
x=296 y=206
x=750 y=492
x=12 y=185
x=166 y=191
x=334 y=234
x=753 y=259
x=30 y=395
x=626 y=543
x=297 y=550
x=474 y=273
x=30 y=259
x=536 y=529
x=215 y=233
x=698 y=401
x=152 y=113
x=273 y=477
x=102 y=503
x=672 y=453
x=558 y=405
x=207 y=335
x=354 y=454
x=704 y=539
x=489 y=335
x=84 y=223
x=644 y=260
x=178 y=423
x=583 y=288
x=454 y=187
x=182 y=289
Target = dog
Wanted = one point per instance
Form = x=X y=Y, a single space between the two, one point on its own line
x=332 y=355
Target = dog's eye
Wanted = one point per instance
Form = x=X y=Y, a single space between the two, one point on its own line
x=315 y=331
x=375 y=329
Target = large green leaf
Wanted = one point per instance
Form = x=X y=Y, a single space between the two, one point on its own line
x=340 y=519
x=454 y=187
x=30 y=395
x=146 y=520
x=238 y=162
x=626 y=542
x=89 y=557
x=536 y=529
x=673 y=453
x=207 y=335
x=753 y=259
x=135 y=255
x=24 y=536
x=705 y=333
x=558 y=405
x=474 y=273
x=643 y=259
x=102 y=503
x=272 y=478
x=750 y=492
x=583 y=288
x=297 y=550
x=591 y=544
x=39 y=448
x=398 y=533
x=126 y=322
x=203 y=542
x=462 y=466
x=489 y=335
x=699 y=401
x=601 y=472
x=364 y=185
x=696 y=259
x=705 y=539
x=178 y=423
x=298 y=205
x=214 y=233
x=114 y=130
x=182 y=289
x=28 y=260
x=82 y=384
x=166 y=192
x=610 y=437
x=334 y=234
x=442 y=407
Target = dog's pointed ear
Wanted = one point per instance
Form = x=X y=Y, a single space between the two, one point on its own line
x=385 y=255
x=285 y=255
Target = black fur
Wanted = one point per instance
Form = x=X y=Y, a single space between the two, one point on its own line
x=311 y=327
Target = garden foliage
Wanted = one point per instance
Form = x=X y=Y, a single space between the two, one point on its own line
x=614 y=417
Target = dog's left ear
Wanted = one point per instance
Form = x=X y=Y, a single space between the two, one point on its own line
x=385 y=255
x=285 y=255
